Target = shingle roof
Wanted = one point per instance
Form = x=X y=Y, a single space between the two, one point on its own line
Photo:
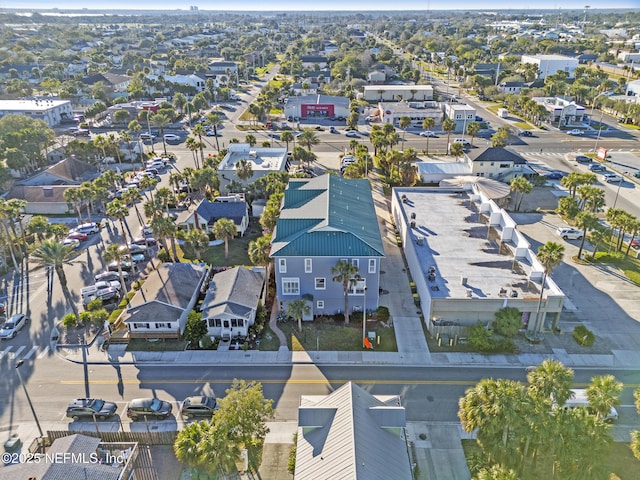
x=235 y=291
x=171 y=284
x=495 y=154
x=351 y=434
x=40 y=193
x=214 y=211
x=327 y=216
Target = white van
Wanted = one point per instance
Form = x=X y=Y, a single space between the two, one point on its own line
x=579 y=399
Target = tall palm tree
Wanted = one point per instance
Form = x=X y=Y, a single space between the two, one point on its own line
x=604 y=393
x=428 y=124
x=72 y=195
x=346 y=273
x=520 y=186
x=591 y=198
x=287 y=137
x=448 y=126
x=244 y=169
x=193 y=145
x=164 y=228
x=199 y=132
x=456 y=150
x=404 y=123
x=551 y=380
x=214 y=121
x=308 y=138
x=585 y=221
x=132 y=196
x=55 y=254
x=196 y=240
x=472 y=130
x=258 y=252
x=127 y=139
x=225 y=229
x=116 y=209
x=250 y=139
x=550 y=256
x=39 y=226
x=113 y=253
x=160 y=120
x=297 y=309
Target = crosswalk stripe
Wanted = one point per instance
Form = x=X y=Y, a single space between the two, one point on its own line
x=43 y=352
x=5 y=352
x=31 y=352
x=17 y=352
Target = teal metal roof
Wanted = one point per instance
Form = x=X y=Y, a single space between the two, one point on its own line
x=327 y=216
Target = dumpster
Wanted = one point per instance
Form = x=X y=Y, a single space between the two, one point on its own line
x=13 y=444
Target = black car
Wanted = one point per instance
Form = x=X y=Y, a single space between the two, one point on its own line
x=90 y=408
x=148 y=241
x=148 y=407
x=582 y=159
x=525 y=133
x=124 y=266
x=111 y=276
x=200 y=406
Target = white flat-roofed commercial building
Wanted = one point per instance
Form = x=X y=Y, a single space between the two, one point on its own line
x=416 y=111
x=396 y=93
x=461 y=113
x=263 y=160
x=551 y=64
x=316 y=106
x=50 y=111
x=468 y=259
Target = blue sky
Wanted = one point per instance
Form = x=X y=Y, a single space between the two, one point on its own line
x=363 y=5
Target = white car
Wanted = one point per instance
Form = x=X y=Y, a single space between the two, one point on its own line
x=568 y=233
x=427 y=133
x=88 y=228
x=72 y=241
x=171 y=137
x=463 y=141
x=575 y=131
x=352 y=134
x=13 y=325
x=612 y=177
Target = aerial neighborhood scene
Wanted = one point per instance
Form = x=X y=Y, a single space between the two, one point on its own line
x=318 y=242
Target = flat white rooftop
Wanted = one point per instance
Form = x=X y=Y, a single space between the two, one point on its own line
x=31 y=105
x=451 y=236
x=261 y=158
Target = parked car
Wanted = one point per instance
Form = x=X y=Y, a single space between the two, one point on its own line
x=110 y=277
x=133 y=248
x=637 y=174
x=463 y=141
x=108 y=296
x=78 y=236
x=568 y=233
x=104 y=284
x=145 y=230
x=72 y=242
x=138 y=257
x=148 y=241
x=158 y=165
x=597 y=167
x=428 y=133
x=172 y=138
x=146 y=136
x=148 y=407
x=200 y=406
x=124 y=265
x=11 y=327
x=91 y=408
x=525 y=133
x=333 y=129
x=611 y=177
x=152 y=171
x=582 y=159
x=554 y=175
x=575 y=131
x=88 y=228
x=352 y=134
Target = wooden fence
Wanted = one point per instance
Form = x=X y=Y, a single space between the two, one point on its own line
x=143 y=438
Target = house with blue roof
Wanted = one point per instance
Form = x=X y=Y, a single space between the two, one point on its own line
x=206 y=213
x=324 y=220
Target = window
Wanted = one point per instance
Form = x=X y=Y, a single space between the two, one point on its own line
x=372 y=265
x=320 y=304
x=458 y=116
x=291 y=286
x=308 y=265
x=355 y=262
x=237 y=322
x=162 y=325
x=358 y=287
x=282 y=265
x=504 y=165
x=321 y=283
x=215 y=322
x=141 y=325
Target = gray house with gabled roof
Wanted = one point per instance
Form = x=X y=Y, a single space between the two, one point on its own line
x=351 y=434
x=230 y=304
x=324 y=220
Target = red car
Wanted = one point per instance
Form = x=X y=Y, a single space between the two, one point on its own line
x=77 y=236
x=635 y=243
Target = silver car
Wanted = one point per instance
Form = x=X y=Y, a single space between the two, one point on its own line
x=13 y=325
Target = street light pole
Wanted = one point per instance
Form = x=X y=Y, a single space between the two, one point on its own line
x=595 y=147
x=24 y=387
x=593 y=105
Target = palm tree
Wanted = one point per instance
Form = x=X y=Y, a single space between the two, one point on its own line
x=179 y=101
x=297 y=309
x=160 y=120
x=132 y=196
x=72 y=195
x=472 y=130
x=287 y=137
x=550 y=256
x=250 y=139
x=346 y=273
x=404 y=123
x=604 y=393
x=428 y=124
x=456 y=150
x=550 y=381
x=101 y=142
x=193 y=145
x=591 y=198
x=259 y=252
x=164 y=228
x=118 y=210
x=214 y=121
x=224 y=229
x=244 y=169
x=585 y=221
x=199 y=131
x=308 y=138
x=196 y=240
x=520 y=186
x=39 y=226
x=448 y=126
x=55 y=254
x=113 y=253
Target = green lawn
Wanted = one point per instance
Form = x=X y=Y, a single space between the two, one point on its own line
x=621 y=463
x=168 y=345
x=328 y=335
x=237 y=250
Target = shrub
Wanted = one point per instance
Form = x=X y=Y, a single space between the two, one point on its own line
x=93 y=305
x=383 y=314
x=195 y=327
x=291 y=463
x=338 y=317
x=115 y=314
x=508 y=321
x=69 y=320
x=583 y=336
x=479 y=337
x=163 y=255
